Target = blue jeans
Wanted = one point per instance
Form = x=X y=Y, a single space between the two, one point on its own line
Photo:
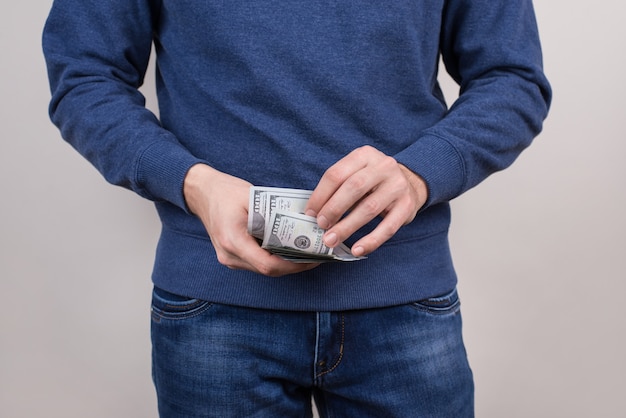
x=212 y=360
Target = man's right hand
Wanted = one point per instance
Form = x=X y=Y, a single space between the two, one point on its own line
x=221 y=202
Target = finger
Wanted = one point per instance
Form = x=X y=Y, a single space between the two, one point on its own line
x=332 y=180
x=352 y=195
x=250 y=256
x=370 y=189
x=265 y=263
x=386 y=229
x=274 y=266
x=363 y=212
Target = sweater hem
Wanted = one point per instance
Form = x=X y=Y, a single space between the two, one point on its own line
x=392 y=275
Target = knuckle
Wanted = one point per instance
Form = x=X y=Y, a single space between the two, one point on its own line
x=365 y=153
x=225 y=259
x=225 y=251
x=335 y=175
x=371 y=207
x=267 y=269
x=400 y=191
x=366 y=149
x=388 y=162
x=389 y=165
x=332 y=212
x=227 y=245
x=357 y=184
x=264 y=268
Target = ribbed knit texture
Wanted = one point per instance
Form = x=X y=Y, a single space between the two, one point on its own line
x=275 y=92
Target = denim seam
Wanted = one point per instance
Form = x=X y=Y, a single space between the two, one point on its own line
x=436 y=310
x=159 y=314
x=341 y=343
x=184 y=307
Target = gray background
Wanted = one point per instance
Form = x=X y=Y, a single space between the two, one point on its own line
x=540 y=248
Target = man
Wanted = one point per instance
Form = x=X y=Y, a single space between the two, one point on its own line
x=337 y=97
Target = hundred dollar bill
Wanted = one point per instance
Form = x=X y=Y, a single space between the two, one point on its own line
x=293 y=231
x=298 y=238
x=265 y=200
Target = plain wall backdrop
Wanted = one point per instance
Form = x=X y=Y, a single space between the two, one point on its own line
x=540 y=248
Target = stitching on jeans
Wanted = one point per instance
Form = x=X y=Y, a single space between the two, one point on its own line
x=158 y=313
x=184 y=307
x=340 y=357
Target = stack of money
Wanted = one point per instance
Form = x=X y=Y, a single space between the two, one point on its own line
x=276 y=218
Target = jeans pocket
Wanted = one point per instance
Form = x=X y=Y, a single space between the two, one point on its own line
x=448 y=303
x=166 y=305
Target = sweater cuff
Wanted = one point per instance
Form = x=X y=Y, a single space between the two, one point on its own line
x=161 y=172
x=440 y=165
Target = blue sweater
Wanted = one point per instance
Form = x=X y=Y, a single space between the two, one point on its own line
x=275 y=92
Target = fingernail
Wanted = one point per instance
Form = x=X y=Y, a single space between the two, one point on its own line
x=310 y=212
x=323 y=222
x=331 y=239
x=358 y=251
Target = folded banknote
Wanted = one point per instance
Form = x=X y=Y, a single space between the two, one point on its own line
x=276 y=218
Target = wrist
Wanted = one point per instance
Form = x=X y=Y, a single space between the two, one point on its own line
x=196 y=181
x=417 y=183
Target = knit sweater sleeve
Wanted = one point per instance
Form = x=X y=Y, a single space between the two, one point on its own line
x=491 y=48
x=97 y=54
